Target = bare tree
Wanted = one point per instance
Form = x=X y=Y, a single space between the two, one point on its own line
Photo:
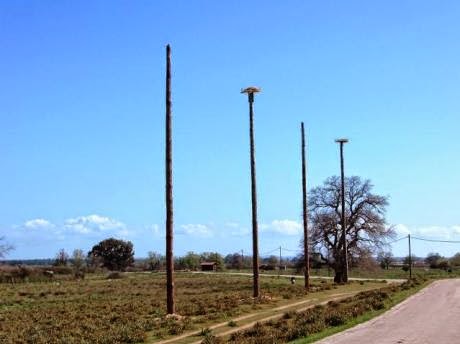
x=366 y=230
x=155 y=261
x=385 y=258
x=62 y=258
x=78 y=259
x=5 y=248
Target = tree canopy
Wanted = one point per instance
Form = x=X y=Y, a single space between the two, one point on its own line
x=455 y=260
x=113 y=254
x=433 y=259
x=366 y=229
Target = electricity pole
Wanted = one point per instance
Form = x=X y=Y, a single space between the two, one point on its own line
x=255 y=244
x=169 y=193
x=304 y=213
x=279 y=267
x=410 y=259
x=344 y=220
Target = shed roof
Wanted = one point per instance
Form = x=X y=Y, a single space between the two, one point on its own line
x=208 y=263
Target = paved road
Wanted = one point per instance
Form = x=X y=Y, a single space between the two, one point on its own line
x=428 y=317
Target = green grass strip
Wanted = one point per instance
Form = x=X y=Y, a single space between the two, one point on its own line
x=395 y=299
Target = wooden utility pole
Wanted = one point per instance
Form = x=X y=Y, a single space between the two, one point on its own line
x=255 y=240
x=410 y=259
x=169 y=194
x=279 y=265
x=344 y=218
x=306 y=250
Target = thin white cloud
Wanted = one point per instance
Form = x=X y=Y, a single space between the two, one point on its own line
x=191 y=229
x=38 y=224
x=284 y=227
x=240 y=232
x=155 y=229
x=94 y=224
x=456 y=229
x=124 y=233
x=402 y=229
x=430 y=232
x=234 y=229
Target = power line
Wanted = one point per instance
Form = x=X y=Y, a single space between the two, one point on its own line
x=286 y=249
x=276 y=249
x=392 y=242
x=268 y=252
x=435 y=240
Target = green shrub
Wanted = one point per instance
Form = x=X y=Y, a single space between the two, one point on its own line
x=61 y=270
x=205 y=331
x=211 y=339
x=289 y=315
x=295 y=325
x=297 y=332
x=116 y=275
x=335 y=319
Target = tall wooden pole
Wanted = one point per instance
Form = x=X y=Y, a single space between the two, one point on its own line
x=279 y=265
x=344 y=218
x=169 y=194
x=255 y=236
x=410 y=259
x=255 y=239
x=305 y=213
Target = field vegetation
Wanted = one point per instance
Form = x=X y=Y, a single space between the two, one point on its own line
x=129 y=307
x=321 y=318
x=53 y=304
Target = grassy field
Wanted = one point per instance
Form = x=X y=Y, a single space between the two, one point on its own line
x=273 y=312
x=131 y=309
x=321 y=320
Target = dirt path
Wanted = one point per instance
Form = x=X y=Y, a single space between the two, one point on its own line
x=389 y=280
x=178 y=339
x=277 y=316
x=249 y=320
x=430 y=316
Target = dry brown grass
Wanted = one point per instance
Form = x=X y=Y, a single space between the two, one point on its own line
x=100 y=310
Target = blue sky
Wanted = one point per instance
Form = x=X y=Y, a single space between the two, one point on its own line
x=82 y=118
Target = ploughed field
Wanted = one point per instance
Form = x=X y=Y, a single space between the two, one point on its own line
x=131 y=309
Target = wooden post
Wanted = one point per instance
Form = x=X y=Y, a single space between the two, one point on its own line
x=344 y=217
x=410 y=259
x=279 y=265
x=305 y=213
x=255 y=238
x=169 y=194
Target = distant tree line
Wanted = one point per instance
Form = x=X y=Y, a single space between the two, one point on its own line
x=118 y=255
